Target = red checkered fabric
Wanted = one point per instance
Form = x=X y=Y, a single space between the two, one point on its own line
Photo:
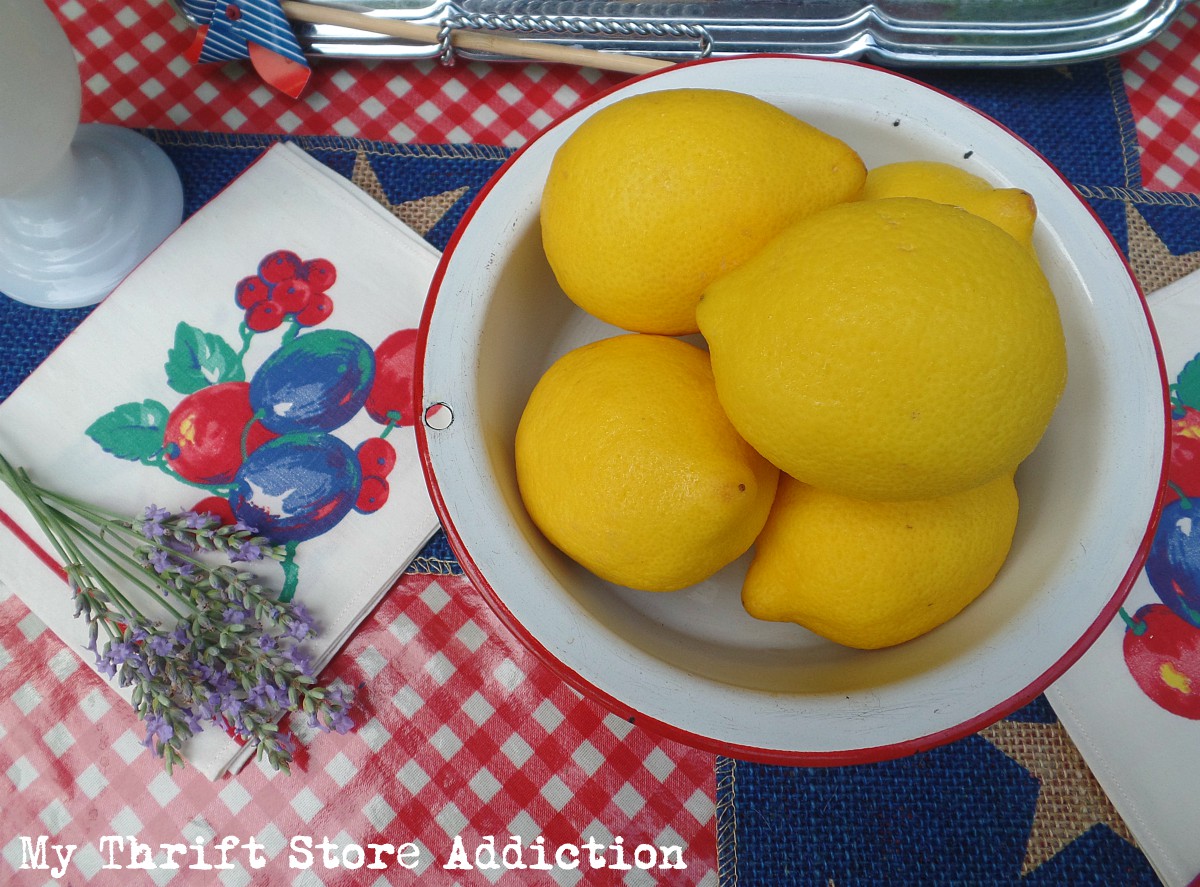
x=1163 y=81
x=461 y=734
x=134 y=75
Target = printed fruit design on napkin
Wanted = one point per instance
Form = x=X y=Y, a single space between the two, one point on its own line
x=1162 y=640
x=259 y=442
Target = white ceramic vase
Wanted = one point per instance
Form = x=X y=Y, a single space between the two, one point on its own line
x=80 y=205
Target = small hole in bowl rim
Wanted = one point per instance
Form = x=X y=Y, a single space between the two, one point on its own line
x=438 y=416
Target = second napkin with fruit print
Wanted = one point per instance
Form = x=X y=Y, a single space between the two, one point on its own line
x=1132 y=701
x=257 y=366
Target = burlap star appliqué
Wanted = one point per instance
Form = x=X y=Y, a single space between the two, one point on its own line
x=1070 y=801
x=1152 y=262
x=421 y=214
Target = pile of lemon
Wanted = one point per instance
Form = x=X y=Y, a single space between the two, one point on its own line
x=881 y=350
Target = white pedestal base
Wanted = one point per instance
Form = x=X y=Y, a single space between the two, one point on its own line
x=72 y=239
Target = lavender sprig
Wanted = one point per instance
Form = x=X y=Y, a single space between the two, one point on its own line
x=230 y=651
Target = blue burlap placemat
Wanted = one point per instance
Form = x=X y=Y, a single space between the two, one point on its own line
x=1011 y=805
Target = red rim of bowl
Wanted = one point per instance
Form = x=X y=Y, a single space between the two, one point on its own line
x=707 y=743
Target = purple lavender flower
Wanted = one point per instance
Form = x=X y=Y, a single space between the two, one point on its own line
x=173 y=544
x=198 y=520
x=208 y=706
x=232 y=707
x=161 y=644
x=276 y=693
x=121 y=652
x=105 y=665
x=235 y=615
x=340 y=722
x=298 y=631
x=246 y=551
x=216 y=677
x=199 y=670
x=122 y=658
x=299 y=659
x=223 y=682
x=191 y=719
x=160 y=560
x=258 y=696
x=157 y=728
x=151 y=524
x=301 y=626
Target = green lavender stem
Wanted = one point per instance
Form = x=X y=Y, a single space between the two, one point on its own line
x=231 y=656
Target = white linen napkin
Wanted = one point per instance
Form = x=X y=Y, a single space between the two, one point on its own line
x=1144 y=753
x=127 y=350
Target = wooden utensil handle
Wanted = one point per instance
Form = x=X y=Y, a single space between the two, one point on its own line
x=495 y=44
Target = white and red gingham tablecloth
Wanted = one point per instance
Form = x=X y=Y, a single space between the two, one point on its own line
x=464 y=732
x=134 y=74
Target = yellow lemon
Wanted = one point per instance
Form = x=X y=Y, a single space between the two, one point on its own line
x=871 y=574
x=658 y=194
x=888 y=349
x=1009 y=208
x=626 y=462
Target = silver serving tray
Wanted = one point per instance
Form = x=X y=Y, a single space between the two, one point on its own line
x=890 y=32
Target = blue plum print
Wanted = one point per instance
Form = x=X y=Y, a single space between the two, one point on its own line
x=315 y=382
x=263 y=451
x=297 y=486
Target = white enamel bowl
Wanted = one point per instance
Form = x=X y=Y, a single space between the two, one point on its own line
x=692 y=664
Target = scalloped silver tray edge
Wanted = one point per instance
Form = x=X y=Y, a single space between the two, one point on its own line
x=904 y=32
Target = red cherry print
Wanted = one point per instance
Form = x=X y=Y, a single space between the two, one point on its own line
x=1183 y=473
x=319 y=273
x=250 y=291
x=265 y=316
x=372 y=495
x=392 y=398
x=292 y=295
x=279 y=266
x=1162 y=653
x=204 y=434
x=318 y=310
x=218 y=506
x=376 y=457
